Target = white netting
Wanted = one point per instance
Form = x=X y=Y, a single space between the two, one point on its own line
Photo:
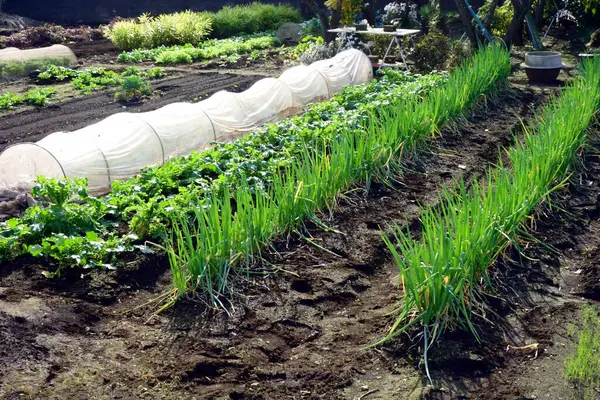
x=15 y=62
x=122 y=144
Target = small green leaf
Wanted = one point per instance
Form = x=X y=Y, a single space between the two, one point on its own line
x=92 y=236
x=36 y=250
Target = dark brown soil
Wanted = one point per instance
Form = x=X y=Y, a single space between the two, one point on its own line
x=34 y=124
x=298 y=333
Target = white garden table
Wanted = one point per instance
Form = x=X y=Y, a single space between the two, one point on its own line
x=379 y=31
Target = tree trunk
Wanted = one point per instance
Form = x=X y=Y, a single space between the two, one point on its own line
x=322 y=14
x=465 y=17
x=442 y=25
x=539 y=13
x=336 y=15
x=521 y=8
x=487 y=21
x=371 y=13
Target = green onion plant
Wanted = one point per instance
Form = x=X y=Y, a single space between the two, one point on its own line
x=236 y=224
x=445 y=271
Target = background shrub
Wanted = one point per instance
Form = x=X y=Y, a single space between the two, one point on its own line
x=167 y=29
x=192 y=27
x=459 y=52
x=252 y=18
x=431 y=52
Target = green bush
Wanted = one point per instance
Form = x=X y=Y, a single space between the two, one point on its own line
x=167 y=29
x=252 y=18
x=431 y=52
x=501 y=19
x=192 y=27
x=459 y=52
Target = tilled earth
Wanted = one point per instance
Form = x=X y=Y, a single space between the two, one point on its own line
x=34 y=124
x=299 y=333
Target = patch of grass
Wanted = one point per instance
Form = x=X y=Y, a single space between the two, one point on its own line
x=583 y=368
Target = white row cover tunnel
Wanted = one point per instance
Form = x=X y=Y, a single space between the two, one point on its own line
x=15 y=62
x=119 y=146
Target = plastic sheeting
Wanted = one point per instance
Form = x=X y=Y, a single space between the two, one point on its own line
x=121 y=145
x=15 y=62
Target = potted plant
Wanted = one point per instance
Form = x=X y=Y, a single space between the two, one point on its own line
x=362 y=25
x=399 y=15
x=391 y=17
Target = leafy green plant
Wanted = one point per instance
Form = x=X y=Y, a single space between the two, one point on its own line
x=35 y=97
x=502 y=16
x=96 y=78
x=207 y=50
x=39 y=96
x=174 y=57
x=88 y=251
x=312 y=27
x=134 y=89
x=10 y=100
x=57 y=73
x=305 y=43
x=155 y=73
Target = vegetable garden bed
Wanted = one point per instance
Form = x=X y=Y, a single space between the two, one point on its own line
x=300 y=306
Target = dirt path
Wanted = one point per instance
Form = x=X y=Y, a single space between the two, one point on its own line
x=292 y=335
x=34 y=124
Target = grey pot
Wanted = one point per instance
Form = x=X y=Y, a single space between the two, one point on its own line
x=542 y=66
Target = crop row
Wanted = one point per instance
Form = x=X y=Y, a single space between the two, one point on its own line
x=444 y=274
x=76 y=229
x=86 y=80
x=205 y=50
x=34 y=97
x=234 y=225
